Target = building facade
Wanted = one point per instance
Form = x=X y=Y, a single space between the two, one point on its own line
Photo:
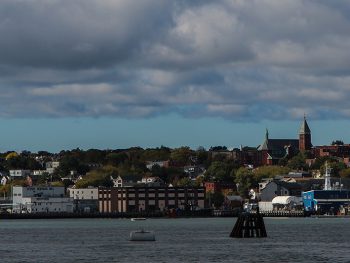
x=85 y=199
x=40 y=200
x=326 y=201
x=135 y=199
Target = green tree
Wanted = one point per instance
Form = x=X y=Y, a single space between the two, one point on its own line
x=336 y=167
x=220 y=172
x=98 y=177
x=298 y=162
x=246 y=180
x=345 y=173
x=337 y=142
x=181 y=155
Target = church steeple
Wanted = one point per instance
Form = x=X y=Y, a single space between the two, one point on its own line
x=304 y=136
x=267 y=134
x=304 y=128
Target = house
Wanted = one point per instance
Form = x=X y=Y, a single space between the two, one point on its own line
x=194 y=170
x=125 y=180
x=19 y=173
x=279 y=188
x=151 y=181
x=51 y=166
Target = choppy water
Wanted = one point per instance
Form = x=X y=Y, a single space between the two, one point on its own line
x=178 y=240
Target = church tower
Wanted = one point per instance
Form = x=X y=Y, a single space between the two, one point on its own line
x=304 y=136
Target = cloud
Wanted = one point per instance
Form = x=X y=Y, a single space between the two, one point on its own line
x=240 y=60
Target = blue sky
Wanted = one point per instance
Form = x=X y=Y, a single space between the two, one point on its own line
x=54 y=134
x=121 y=73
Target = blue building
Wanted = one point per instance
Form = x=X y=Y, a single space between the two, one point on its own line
x=326 y=201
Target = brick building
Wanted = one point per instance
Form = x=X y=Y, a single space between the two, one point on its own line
x=141 y=198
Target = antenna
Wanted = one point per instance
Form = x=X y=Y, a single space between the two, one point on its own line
x=327 y=178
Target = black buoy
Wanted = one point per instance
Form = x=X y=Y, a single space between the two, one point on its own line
x=249 y=225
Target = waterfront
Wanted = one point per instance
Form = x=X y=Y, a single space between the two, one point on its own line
x=178 y=240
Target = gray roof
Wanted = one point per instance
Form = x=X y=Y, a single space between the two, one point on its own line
x=278 y=144
x=304 y=128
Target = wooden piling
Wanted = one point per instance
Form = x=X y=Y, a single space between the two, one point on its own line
x=249 y=225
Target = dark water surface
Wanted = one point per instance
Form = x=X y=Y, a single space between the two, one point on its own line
x=178 y=240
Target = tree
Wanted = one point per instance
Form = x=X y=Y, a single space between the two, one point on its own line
x=337 y=142
x=218 y=148
x=298 y=162
x=185 y=182
x=181 y=155
x=270 y=171
x=345 y=173
x=116 y=158
x=98 y=177
x=246 y=180
x=215 y=199
x=220 y=172
x=335 y=166
x=320 y=161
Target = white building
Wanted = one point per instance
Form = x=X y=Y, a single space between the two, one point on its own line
x=45 y=205
x=51 y=166
x=90 y=193
x=39 y=172
x=19 y=173
x=40 y=200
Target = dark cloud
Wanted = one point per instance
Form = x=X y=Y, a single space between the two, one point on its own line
x=236 y=59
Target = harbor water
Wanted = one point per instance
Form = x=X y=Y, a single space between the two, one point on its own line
x=177 y=240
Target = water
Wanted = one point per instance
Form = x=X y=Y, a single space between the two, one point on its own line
x=178 y=240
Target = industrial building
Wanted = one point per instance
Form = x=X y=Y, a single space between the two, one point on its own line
x=326 y=201
x=135 y=199
x=39 y=199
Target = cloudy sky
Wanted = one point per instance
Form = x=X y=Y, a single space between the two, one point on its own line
x=120 y=73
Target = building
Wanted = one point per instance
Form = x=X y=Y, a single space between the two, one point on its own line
x=90 y=193
x=279 y=188
x=51 y=166
x=271 y=151
x=40 y=200
x=85 y=199
x=19 y=173
x=326 y=201
x=304 y=137
x=143 y=198
x=224 y=188
x=164 y=164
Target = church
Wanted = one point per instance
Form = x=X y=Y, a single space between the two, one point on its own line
x=273 y=150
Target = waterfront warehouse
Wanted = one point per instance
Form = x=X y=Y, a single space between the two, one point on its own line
x=326 y=201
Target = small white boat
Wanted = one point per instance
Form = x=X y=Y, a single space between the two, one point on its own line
x=142 y=235
x=138 y=218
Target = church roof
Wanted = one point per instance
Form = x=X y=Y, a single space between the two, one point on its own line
x=304 y=128
x=276 y=144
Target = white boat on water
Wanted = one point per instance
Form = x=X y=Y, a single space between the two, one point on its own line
x=138 y=218
x=142 y=235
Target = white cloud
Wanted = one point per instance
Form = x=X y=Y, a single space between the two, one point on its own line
x=236 y=59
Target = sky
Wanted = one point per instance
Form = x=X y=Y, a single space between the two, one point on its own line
x=121 y=73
